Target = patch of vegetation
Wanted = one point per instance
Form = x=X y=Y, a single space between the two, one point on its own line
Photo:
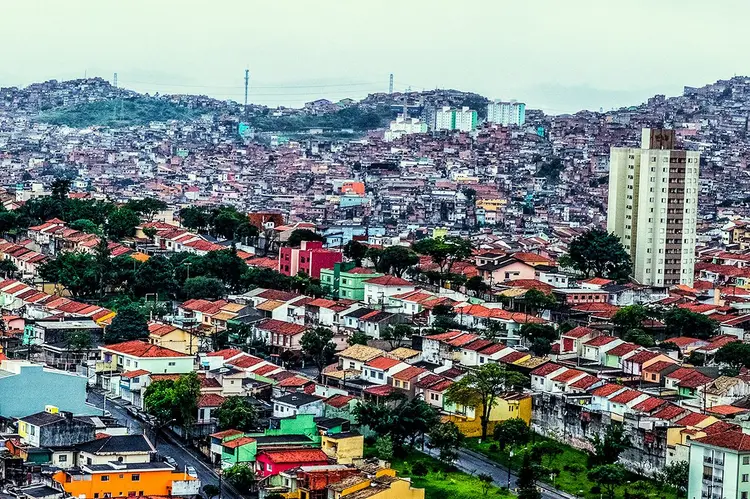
x=138 y=111
x=355 y=118
x=439 y=480
x=572 y=467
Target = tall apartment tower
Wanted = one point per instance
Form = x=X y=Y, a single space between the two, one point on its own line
x=653 y=201
x=506 y=113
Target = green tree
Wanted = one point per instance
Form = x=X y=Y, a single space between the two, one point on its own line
x=629 y=317
x=246 y=232
x=194 y=218
x=317 y=344
x=549 y=449
x=480 y=388
x=78 y=340
x=395 y=260
x=8 y=269
x=236 y=413
x=358 y=338
x=187 y=389
x=210 y=491
x=412 y=419
x=447 y=439
x=354 y=250
x=537 y=301
x=129 y=324
x=226 y=222
x=241 y=477
x=299 y=235
x=539 y=337
x=527 y=476
x=676 y=475
x=155 y=275
x=208 y=288
x=476 y=285
x=682 y=322
x=384 y=448
x=608 y=476
x=607 y=450
x=444 y=251
x=74 y=270
x=640 y=337
x=511 y=432
x=396 y=333
x=85 y=225
x=735 y=355
x=378 y=417
x=596 y=253
x=121 y=224
x=146 y=207
x=60 y=189
x=158 y=401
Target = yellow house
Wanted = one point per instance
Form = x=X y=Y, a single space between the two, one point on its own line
x=491 y=204
x=384 y=485
x=343 y=447
x=507 y=406
x=174 y=338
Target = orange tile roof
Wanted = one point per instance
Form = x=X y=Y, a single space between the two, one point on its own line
x=383 y=363
x=295 y=456
x=138 y=348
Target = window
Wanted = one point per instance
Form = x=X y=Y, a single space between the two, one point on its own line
x=269 y=467
x=63 y=458
x=744 y=495
x=745 y=478
x=380 y=375
x=135 y=477
x=105 y=478
x=745 y=460
x=351 y=365
x=172 y=364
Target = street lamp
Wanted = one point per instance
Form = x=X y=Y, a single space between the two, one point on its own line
x=510 y=456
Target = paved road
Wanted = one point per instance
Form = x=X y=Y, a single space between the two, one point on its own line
x=476 y=464
x=165 y=445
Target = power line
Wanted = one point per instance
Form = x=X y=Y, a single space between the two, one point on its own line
x=364 y=83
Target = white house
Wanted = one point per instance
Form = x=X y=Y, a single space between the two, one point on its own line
x=379 y=289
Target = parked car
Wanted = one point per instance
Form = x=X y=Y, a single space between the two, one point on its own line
x=191 y=471
x=170 y=461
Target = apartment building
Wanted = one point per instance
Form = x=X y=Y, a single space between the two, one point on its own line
x=506 y=113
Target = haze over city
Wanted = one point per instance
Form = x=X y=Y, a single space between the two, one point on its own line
x=557 y=56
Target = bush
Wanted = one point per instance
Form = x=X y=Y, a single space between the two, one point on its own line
x=494 y=448
x=574 y=468
x=419 y=469
x=596 y=489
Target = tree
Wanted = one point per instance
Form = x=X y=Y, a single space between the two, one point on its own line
x=187 y=389
x=608 y=476
x=354 y=250
x=404 y=422
x=477 y=285
x=511 y=432
x=103 y=263
x=485 y=482
x=146 y=207
x=384 y=448
x=481 y=387
x=73 y=270
x=241 y=477
x=629 y=317
x=640 y=337
x=129 y=324
x=736 y=355
x=60 y=189
x=236 y=413
x=299 y=235
x=607 y=450
x=158 y=400
x=596 y=253
x=395 y=260
x=358 y=338
x=444 y=251
x=676 y=475
x=202 y=287
x=155 y=275
x=7 y=268
x=193 y=217
x=527 y=476
x=683 y=322
x=546 y=448
x=537 y=301
x=378 y=417
x=447 y=439
x=245 y=232
x=210 y=491
x=539 y=336
x=85 y=225
x=121 y=224
x=317 y=344
x=396 y=333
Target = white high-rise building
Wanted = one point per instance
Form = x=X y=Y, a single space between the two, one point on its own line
x=463 y=119
x=653 y=207
x=404 y=126
x=506 y=113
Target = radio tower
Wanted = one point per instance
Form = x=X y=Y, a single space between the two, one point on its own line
x=247 y=85
x=114 y=84
x=390 y=85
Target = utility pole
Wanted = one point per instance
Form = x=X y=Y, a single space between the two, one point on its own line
x=114 y=84
x=390 y=85
x=247 y=85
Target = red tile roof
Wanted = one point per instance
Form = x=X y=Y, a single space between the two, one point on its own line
x=245 y=361
x=694 y=381
x=586 y=382
x=642 y=357
x=682 y=372
x=262 y=371
x=735 y=440
x=626 y=396
x=545 y=369
x=134 y=374
x=725 y=410
x=567 y=375
x=579 y=332
x=492 y=349
x=225 y=354
x=600 y=341
x=670 y=412
x=295 y=456
x=238 y=442
x=210 y=400
x=691 y=419
x=380 y=390
x=720 y=427
x=409 y=373
x=138 y=348
x=281 y=327
x=623 y=349
x=338 y=401
x=658 y=366
x=295 y=381
x=225 y=434
x=383 y=363
x=388 y=280
x=513 y=357
x=650 y=404
x=607 y=390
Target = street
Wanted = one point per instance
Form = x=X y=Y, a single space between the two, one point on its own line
x=165 y=445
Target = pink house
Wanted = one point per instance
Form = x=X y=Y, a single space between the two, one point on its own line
x=309 y=258
x=273 y=462
x=281 y=335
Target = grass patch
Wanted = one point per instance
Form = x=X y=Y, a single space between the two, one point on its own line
x=440 y=481
x=573 y=477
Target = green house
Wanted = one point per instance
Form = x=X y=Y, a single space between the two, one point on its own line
x=345 y=280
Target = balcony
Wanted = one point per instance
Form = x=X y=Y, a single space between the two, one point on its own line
x=104 y=366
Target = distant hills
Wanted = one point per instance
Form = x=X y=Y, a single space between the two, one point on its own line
x=114 y=113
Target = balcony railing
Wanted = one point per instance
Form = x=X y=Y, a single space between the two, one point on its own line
x=103 y=366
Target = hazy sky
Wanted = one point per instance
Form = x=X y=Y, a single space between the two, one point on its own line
x=560 y=56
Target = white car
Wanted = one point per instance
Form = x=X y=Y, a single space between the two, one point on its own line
x=191 y=471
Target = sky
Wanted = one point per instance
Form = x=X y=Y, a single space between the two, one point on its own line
x=559 y=56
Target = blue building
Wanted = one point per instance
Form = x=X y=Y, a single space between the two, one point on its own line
x=26 y=388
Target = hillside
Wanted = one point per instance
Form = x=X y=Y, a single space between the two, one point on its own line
x=134 y=111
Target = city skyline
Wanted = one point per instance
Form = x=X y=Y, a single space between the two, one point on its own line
x=560 y=63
